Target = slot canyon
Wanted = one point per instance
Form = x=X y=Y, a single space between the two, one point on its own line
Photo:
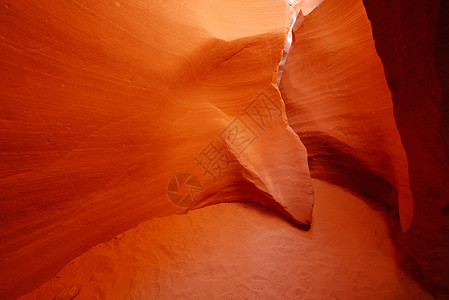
x=224 y=149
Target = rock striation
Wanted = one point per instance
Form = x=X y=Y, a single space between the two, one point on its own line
x=365 y=87
x=338 y=102
x=115 y=112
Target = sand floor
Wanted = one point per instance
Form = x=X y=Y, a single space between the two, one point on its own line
x=238 y=251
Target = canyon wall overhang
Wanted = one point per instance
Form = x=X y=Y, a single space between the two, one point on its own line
x=338 y=102
x=367 y=93
x=108 y=107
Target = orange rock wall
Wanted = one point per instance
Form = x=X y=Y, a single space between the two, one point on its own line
x=339 y=104
x=364 y=88
x=104 y=102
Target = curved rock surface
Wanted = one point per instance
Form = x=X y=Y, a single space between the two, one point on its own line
x=338 y=102
x=107 y=104
x=386 y=142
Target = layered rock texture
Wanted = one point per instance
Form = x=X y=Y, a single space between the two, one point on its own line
x=116 y=112
x=107 y=104
x=339 y=103
x=362 y=92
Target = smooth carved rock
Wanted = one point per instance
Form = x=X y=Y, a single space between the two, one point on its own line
x=338 y=102
x=104 y=102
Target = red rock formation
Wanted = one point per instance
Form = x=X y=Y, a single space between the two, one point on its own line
x=338 y=102
x=104 y=102
x=405 y=36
